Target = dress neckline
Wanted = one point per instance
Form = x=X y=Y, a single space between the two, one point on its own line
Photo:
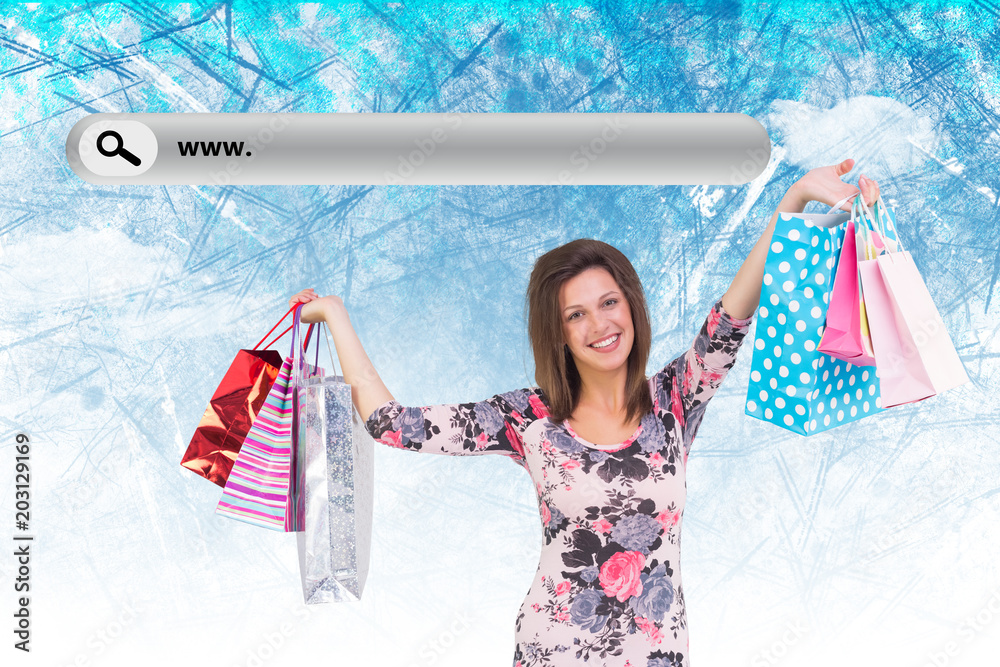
x=603 y=448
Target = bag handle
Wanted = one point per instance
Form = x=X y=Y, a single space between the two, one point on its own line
x=298 y=352
x=836 y=207
x=272 y=329
x=326 y=330
x=869 y=221
x=874 y=224
x=866 y=227
x=308 y=333
x=854 y=216
x=879 y=204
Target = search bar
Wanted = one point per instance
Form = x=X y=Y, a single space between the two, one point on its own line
x=419 y=149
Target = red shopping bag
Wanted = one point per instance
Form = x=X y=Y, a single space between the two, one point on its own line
x=258 y=489
x=232 y=410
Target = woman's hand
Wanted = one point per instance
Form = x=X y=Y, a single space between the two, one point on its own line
x=824 y=184
x=305 y=296
x=317 y=309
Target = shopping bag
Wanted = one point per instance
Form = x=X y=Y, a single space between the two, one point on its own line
x=232 y=410
x=333 y=480
x=845 y=335
x=792 y=383
x=914 y=353
x=257 y=491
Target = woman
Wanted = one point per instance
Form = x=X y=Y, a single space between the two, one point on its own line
x=606 y=447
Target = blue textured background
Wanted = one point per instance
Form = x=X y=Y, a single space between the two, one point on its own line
x=121 y=307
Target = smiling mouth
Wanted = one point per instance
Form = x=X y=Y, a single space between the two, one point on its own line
x=605 y=342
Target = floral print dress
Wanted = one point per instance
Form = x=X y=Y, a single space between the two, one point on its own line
x=608 y=586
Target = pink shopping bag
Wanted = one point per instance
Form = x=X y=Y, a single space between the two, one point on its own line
x=914 y=354
x=924 y=326
x=902 y=378
x=846 y=334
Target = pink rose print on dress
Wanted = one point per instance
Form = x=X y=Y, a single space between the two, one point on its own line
x=546 y=515
x=515 y=440
x=602 y=525
x=653 y=633
x=656 y=459
x=392 y=438
x=711 y=376
x=571 y=464
x=480 y=441
x=667 y=519
x=620 y=575
x=562 y=588
x=713 y=321
x=677 y=405
x=538 y=407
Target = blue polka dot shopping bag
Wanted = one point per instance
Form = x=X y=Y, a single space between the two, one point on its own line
x=792 y=383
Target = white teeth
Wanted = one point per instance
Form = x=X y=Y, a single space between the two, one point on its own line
x=607 y=342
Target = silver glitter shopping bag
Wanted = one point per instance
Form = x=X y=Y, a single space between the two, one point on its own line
x=332 y=483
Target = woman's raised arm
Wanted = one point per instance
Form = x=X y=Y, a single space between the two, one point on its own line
x=367 y=389
x=480 y=427
x=822 y=184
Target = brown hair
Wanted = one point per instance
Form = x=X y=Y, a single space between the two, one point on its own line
x=555 y=370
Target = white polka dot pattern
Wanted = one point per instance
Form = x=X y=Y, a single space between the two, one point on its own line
x=792 y=384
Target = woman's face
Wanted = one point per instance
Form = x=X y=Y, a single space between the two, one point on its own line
x=596 y=320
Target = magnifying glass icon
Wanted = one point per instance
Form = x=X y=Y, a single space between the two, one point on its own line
x=119 y=150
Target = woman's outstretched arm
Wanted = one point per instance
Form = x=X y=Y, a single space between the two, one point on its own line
x=480 y=427
x=822 y=184
x=367 y=389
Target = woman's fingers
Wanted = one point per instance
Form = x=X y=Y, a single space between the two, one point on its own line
x=869 y=190
x=305 y=296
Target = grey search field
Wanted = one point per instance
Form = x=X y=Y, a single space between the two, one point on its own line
x=418 y=149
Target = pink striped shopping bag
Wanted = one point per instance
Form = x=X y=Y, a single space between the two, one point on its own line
x=257 y=490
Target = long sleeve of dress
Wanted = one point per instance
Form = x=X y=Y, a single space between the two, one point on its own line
x=685 y=385
x=491 y=426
